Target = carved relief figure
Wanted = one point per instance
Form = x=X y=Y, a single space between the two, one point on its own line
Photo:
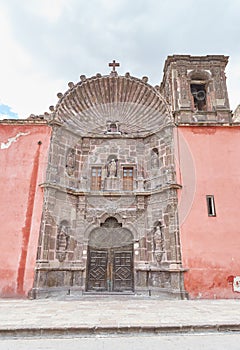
x=62 y=243
x=112 y=168
x=71 y=162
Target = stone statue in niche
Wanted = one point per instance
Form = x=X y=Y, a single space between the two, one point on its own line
x=154 y=159
x=62 y=243
x=71 y=162
x=112 y=168
x=158 y=242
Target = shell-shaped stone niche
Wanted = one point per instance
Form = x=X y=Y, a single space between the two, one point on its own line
x=89 y=106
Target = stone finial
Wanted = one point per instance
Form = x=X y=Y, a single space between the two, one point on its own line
x=59 y=95
x=83 y=77
x=98 y=75
x=51 y=108
x=145 y=79
x=127 y=75
x=70 y=84
x=31 y=116
x=157 y=87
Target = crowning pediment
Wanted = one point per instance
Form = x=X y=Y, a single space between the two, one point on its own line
x=91 y=104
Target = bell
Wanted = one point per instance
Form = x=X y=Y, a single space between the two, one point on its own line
x=200 y=95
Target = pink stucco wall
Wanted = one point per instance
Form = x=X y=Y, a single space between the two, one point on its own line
x=208 y=160
x=23 y=162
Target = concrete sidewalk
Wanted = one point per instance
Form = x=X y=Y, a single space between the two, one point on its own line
x=115 y=315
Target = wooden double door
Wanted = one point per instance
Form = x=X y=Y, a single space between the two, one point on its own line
x=110 y=269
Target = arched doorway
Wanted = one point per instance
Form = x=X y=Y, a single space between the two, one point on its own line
x=110 y=258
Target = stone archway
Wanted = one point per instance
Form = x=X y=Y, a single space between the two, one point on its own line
x=110 y=259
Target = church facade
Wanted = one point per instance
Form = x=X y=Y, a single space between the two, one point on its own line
x=125 y=188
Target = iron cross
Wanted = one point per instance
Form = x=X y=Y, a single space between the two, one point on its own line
x=114 y=64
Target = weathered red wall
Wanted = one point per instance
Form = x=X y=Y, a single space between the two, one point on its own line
x=23 y=167
x=209 y=165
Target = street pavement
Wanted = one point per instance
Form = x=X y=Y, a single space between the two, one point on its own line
x=199 y=341
x=116 y=316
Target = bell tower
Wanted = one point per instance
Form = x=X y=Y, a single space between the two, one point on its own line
x=195 y=87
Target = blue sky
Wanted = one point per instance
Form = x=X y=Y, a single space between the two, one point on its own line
x=45 y=44
x=7 y=113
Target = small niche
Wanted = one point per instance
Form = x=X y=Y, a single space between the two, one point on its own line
x=113 y=128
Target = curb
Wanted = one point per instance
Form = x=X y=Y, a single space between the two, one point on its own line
x=84 y=331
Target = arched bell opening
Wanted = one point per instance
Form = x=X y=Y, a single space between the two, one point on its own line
x=110 y=259
x=199 y=86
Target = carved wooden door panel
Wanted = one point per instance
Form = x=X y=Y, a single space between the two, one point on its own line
x=122 y=270
x=97 y=270
x=110 y=270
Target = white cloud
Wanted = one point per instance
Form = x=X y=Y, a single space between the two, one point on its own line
x=233 y=81
x=50 y=10
x=22 y=87
x=45 y=44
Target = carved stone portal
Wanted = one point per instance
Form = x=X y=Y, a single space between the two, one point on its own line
x=110 y=258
